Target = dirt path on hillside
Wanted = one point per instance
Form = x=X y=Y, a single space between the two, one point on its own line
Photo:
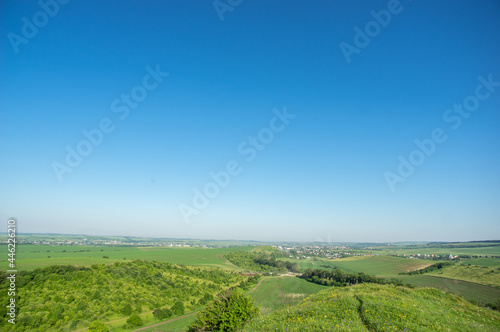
x=229 y=263
x=258 y=284
x=167 y=321
x=114 y=321
x=174 y=319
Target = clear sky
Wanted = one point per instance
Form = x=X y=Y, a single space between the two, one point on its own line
x=321 y=121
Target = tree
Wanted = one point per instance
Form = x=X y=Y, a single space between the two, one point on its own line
x=98 y=326
x=228 y=312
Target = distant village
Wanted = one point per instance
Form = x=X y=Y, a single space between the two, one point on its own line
x=306 y=252
x=428 y=256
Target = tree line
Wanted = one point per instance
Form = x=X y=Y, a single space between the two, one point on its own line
x=337 y=277
x=264 y=262
x=429 y=268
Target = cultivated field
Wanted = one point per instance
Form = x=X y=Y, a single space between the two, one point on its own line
x=29 y=257
x=456 y=250
x=376 y=265
x=472 y=291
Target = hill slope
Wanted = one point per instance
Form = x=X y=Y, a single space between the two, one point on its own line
x=372 y=307
x=484 y=275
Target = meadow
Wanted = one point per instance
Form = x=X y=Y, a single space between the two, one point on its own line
x=278 y=292
x=492 y=262
x=173 y=325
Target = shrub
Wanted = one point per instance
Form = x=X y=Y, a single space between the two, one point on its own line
x=178 y=308
x=127 y=309
x=162 y=313
x=135 y=320
x=98 y=326
x=228 y=312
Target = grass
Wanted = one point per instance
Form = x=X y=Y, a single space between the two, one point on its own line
x=483 y=275
x=381 y=265
x=179 y=325
x=472 y=291
x=493 y=262
x=375 y=265
x=479 y=251
x=372 y=307
x=279 y=292
x=29 y=257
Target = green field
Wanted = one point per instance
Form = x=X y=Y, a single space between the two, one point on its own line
x=493 y=262
x=174 y=325
x=29 y=257
x=472 y=291
x=278 y=292
x=483 y=275
x=375 y=265
x=479 y=251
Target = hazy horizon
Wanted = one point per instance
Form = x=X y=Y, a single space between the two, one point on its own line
x=333 y=122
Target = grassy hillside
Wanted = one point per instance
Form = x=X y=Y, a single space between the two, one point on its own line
x=371 y=307
x=493 y=262
x=472 y=291
x=479 y=274
x=381 y=265
x=455 y=250
x=174 y=325
x=375 y=265
x=29 y=257
x=278 y=292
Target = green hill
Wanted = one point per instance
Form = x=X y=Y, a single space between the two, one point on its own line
x=373 y=307
x=67 y=297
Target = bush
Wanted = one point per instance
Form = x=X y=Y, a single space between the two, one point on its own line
x=98 y=326
x=162 y=313
x=178 y=308
x=228 y=312
x=205 y=299
x=127 y=309
x=135 y=320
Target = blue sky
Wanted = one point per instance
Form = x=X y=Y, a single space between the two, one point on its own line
x=328 y=172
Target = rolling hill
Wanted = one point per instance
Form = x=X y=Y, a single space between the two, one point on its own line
x=373 y=307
